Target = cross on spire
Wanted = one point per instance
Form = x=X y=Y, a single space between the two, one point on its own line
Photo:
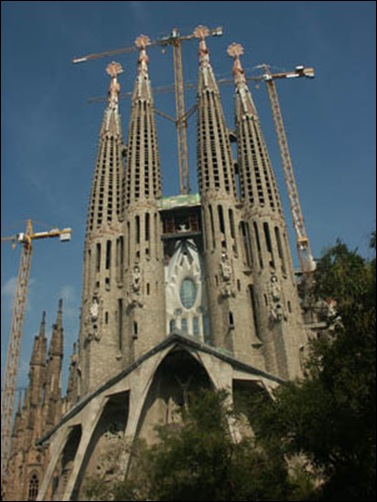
x=235 y=51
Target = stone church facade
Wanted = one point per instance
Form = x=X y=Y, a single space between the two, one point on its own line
x=179 y=293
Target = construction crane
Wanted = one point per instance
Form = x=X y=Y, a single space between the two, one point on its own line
x=175 y=39
x=14 y=344
x=307 y=263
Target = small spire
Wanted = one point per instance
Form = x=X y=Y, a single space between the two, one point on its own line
x=38 y=355
x=113 y=69
x=42 y=329
x=56 y=344
x=142 y=42
x=235 y=51
x=202 y=32
x=59 y=316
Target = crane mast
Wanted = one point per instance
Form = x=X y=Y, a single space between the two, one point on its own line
x=14 y=344
x=302 y=241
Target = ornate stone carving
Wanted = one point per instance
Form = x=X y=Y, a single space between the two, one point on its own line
x=276 y=303
x=225 y=276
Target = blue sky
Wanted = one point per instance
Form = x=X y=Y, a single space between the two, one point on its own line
x=49 y=131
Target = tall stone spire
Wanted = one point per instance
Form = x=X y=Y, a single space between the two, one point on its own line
x=103 y=256
x=143 y=177
x=53 y=392
x=142 y=311
x=258 y=186
x=214 y=154
x=104 y=205
x=56 y=344
x=274 y=292
x=38 y=356
x=227 y=284
x=37 y=372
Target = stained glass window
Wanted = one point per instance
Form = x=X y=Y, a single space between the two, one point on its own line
x=188 y=293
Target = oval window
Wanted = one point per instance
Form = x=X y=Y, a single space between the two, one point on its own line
x=188 y=293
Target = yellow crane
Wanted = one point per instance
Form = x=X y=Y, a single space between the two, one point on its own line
x=14 y=345
x=306 y=259
x=175 y=39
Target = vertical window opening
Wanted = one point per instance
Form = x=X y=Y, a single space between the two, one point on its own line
x=212 y=226
x=231 y=320
x=195 y=326
x=231 y=223
x=147 y=226
x=258 y=244
x=280 y=249
x=254 y=308
x=120 y=324
x=267 y=237
x=33 y=487
x=221 y=219
x=237 y=179
x=89 y=267
x=137 y=229
x=106 y=318
x=98 y=256
x=128 y=243
x=136 y=329
x=246 y=243
x=108 y=254
x=184 y=326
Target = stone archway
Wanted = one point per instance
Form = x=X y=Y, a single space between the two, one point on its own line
x=177 y=376
x=106 y=441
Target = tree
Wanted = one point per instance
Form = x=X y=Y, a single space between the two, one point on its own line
x=199 y=459
x=330 y=416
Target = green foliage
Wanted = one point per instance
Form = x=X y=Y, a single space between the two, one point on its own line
x=199 y=460
x=330 y=416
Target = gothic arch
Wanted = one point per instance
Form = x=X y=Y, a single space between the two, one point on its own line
x=176 y=377
x=33 y=486
x=105 y=440
x=65 y=464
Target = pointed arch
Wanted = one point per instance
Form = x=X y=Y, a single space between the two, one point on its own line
x=178 y=375
x=33 y=486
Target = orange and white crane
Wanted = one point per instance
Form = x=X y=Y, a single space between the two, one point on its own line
x=14 y=345
x=175 y=39
x=307 y=263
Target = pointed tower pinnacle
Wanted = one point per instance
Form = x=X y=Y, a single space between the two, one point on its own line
x=111 y=122
x=235 y=51
x=143 y=159
x=56 y=344
x=257 y=179
x=142 y=86
x=38 y=356
x=206 y=76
